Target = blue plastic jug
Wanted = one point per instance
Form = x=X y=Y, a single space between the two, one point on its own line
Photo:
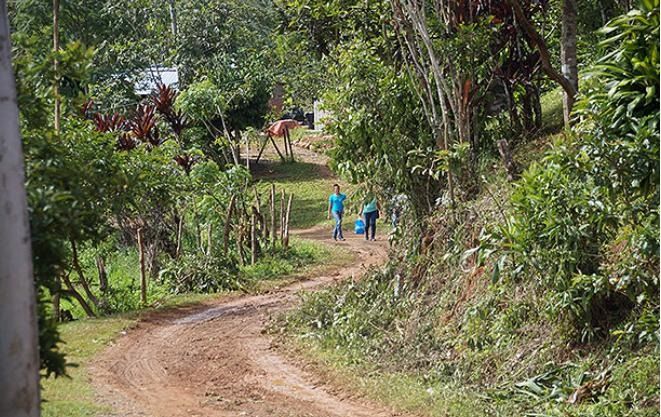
x=359 y=227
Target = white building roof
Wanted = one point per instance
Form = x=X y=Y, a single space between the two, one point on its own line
x=152 y=76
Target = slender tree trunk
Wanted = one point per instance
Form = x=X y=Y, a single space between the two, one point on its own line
x=568 y=54
x=239 y=244
x=56 y=306
x=228 y=222
x=209 y=238
x=253 y=239
x=173 y=19
x=180 y=231
x=19 y=353
x=103 y=275
x=545 y=56
x=143 y=272
x=72 y=291
x=56 y=64
x=537 y=106
x=508 y=161
x=81 y=276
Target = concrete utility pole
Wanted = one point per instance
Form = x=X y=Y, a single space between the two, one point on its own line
x=19 y=354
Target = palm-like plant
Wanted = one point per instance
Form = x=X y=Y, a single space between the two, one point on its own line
x=163 y=100
x=143 y=126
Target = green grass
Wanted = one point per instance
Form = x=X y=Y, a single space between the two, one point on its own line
x=311 y=185
x=123 y=272
x=301 y=254
x=73 y=396
x=403 y=392
x=552 y=113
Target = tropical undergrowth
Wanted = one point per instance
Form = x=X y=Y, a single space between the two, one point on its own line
x=537 y=297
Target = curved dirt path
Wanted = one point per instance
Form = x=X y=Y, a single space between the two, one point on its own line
x=215 y=360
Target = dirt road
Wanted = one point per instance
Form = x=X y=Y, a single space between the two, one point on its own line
x=215 y=360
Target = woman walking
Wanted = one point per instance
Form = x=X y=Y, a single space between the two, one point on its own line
x=370 y=213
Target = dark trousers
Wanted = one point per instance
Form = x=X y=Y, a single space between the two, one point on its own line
x=370 y=224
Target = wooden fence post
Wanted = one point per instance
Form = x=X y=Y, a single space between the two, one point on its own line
x=143 y=275
x=285 y=241
x=282 y=215
x=273 y=230
x=253 y=239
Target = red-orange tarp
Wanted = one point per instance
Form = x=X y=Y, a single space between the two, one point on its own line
x=278 y=128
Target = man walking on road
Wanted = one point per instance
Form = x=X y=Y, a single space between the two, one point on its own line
x=336 y=209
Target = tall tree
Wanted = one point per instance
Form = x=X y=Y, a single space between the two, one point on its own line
x=19 y=358
x=56 y=48
x=544 y=55
x=568 y=53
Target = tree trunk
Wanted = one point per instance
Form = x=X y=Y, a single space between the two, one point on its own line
x=143 y=272
x=209 y=238
x=103 y=275
x=56 y=64
x=173 y=19
x=228 y=222
x=545 y=56
x=81 y=276
x=537 y=105
x=19 y=353
x=71 y=290
x=568 y=54
x=239 y=245
x=56 y=306
x=180 y=231
x=506 y=155
x=253 y=240
x=511 y=106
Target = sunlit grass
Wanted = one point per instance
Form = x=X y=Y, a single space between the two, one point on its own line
x=73 y=396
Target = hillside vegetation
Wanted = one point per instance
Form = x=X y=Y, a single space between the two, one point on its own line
x=537 y=296
x=513 y=146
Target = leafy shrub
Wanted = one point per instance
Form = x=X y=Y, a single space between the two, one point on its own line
x=197 y=272
x=585 y=219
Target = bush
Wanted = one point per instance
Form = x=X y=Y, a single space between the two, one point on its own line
x=585 y=219
x=197 y=272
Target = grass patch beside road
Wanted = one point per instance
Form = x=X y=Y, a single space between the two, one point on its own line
x=311 y=185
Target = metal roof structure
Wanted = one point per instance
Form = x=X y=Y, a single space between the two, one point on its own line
x=152 y=76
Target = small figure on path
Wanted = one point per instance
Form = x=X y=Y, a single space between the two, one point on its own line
x=336 y=209
x=370 y=213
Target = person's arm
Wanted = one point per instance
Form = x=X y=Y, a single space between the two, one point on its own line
x=329 y=209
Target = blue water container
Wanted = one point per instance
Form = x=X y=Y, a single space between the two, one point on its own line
x=359 y=227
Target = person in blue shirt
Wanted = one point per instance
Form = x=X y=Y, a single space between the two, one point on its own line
x=336 y=209
x=370 y=213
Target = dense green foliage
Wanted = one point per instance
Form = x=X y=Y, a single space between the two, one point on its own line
x=163 y=169
x=537 y=297
x=524 y=271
